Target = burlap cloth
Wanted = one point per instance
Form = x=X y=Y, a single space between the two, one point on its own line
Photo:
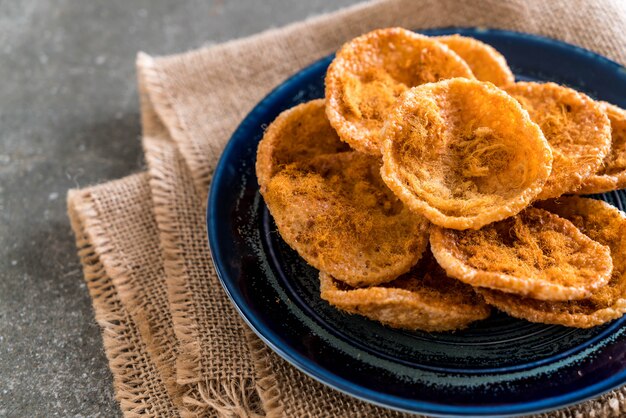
x=175 y=344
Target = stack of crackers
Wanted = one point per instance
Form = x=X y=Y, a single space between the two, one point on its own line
x=428 y=187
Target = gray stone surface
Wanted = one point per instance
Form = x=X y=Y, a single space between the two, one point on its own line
x=69 y=118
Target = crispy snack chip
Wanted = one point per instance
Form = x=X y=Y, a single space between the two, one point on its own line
x=424 y=298
x=371 y=71
x=602 y=223
x=463 y=153
x=485 y=61
x=577 y=129
x=612 y=173
x=297 y=134
x=535 y=254
x=416 y=129
x=337 y=213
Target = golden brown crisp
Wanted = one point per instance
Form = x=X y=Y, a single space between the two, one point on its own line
x=297 y=134
x=424 y=298
x=602 y=223
x=612 y=173
x=535 y=254
x=485 y=61
x=577 y=129
x=337 y=213
x=371 y=71
x=463 y=153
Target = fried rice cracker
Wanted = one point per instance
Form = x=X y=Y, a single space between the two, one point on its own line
x=612 y=173
x=463 y=153
x=424 y=298
x=297 y=134
x=602 y=223
x=371 y=71
x=535 y=254
x=577 y=129
x=485 y=61
x=337 y=213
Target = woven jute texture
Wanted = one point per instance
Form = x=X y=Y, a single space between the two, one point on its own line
x=175 y=344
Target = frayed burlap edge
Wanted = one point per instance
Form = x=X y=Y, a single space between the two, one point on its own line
x=188 y=362
x=116 y=263
x=233 y=398
x=139 y=395
x=224 y=398
x=166 y=111
x=266 y=383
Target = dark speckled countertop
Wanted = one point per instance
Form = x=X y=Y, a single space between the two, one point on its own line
x=69 y=118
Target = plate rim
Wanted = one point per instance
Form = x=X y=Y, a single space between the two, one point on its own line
x=326 y=377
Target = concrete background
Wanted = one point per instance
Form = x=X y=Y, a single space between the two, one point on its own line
x=69 y=118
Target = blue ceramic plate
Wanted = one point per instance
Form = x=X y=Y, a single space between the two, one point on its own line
x=500 y=366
